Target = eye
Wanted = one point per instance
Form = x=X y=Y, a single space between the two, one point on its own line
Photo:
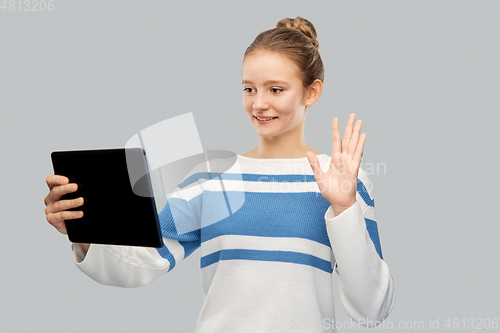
x=248 y=90
x=276 y=90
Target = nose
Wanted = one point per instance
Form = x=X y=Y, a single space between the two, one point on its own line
x=259 y=102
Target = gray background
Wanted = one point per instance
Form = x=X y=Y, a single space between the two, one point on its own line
x=423 y=76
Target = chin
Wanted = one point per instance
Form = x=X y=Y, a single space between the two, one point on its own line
x=267 y=134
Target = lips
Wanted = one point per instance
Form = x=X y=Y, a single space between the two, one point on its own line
x=264 y=119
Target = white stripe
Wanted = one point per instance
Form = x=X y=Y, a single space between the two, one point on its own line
x=369 y=213
x=301 y=245
x=269 y=187
x=361 y=201
x=187 y=193
x=266 y=169
x=215 y=185
x=175 y=248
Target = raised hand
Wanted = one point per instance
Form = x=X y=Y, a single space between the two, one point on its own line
x=338 y=184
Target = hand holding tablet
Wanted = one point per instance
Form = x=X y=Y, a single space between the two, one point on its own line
x=57 y=210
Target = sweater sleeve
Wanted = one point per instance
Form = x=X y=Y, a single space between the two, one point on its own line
x=366 y=286
x=131 y=266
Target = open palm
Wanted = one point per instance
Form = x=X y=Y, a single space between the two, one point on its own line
x=338 y=184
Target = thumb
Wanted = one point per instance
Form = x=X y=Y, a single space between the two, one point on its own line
x=313 y=161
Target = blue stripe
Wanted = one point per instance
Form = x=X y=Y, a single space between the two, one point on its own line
x=371 y=226
x=180 y=211
x=190 y=247
x=182 y=214
x=361 y=188
x=278 y=178
x=276 y=256
x=246 y=177
x=165 y=253
x=363 y=192
x=300 y=215
x=226 y=199
x=208 y=176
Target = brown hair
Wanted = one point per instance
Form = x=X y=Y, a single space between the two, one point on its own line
x=295 y=39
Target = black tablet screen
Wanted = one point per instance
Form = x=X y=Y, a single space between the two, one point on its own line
x=113 y=214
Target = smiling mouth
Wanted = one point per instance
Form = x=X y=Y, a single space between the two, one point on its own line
x=265 y=119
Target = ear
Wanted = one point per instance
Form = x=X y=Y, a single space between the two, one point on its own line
x=314 y=92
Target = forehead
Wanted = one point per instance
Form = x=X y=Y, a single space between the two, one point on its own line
x=269 y=66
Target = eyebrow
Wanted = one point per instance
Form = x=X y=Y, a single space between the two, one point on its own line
x=268 y=82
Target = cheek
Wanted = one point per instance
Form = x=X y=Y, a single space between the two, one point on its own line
x=247 y=104
x=288 y=105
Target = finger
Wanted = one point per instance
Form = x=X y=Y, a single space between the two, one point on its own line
x=359 y=150
x=314 y=162
x=58 y=191
x=63 y=205
x=54 y=180
x=57 y=220
x=354 y=138
x=337 y=140
x=348 y=132
x=336 y=161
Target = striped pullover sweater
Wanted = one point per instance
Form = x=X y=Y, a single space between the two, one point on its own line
x=269 y=245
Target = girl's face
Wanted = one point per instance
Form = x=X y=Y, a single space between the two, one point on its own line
x=273 y=94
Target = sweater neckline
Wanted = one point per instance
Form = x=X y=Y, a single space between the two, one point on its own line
x=276 y=159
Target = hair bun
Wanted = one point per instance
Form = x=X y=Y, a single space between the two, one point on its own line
x=302 y=25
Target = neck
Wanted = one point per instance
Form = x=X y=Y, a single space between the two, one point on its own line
x=289 y=145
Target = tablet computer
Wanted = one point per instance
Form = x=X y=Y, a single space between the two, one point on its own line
x=112 y=211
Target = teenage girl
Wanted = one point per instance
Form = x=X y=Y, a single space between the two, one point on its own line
x=287 y=218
